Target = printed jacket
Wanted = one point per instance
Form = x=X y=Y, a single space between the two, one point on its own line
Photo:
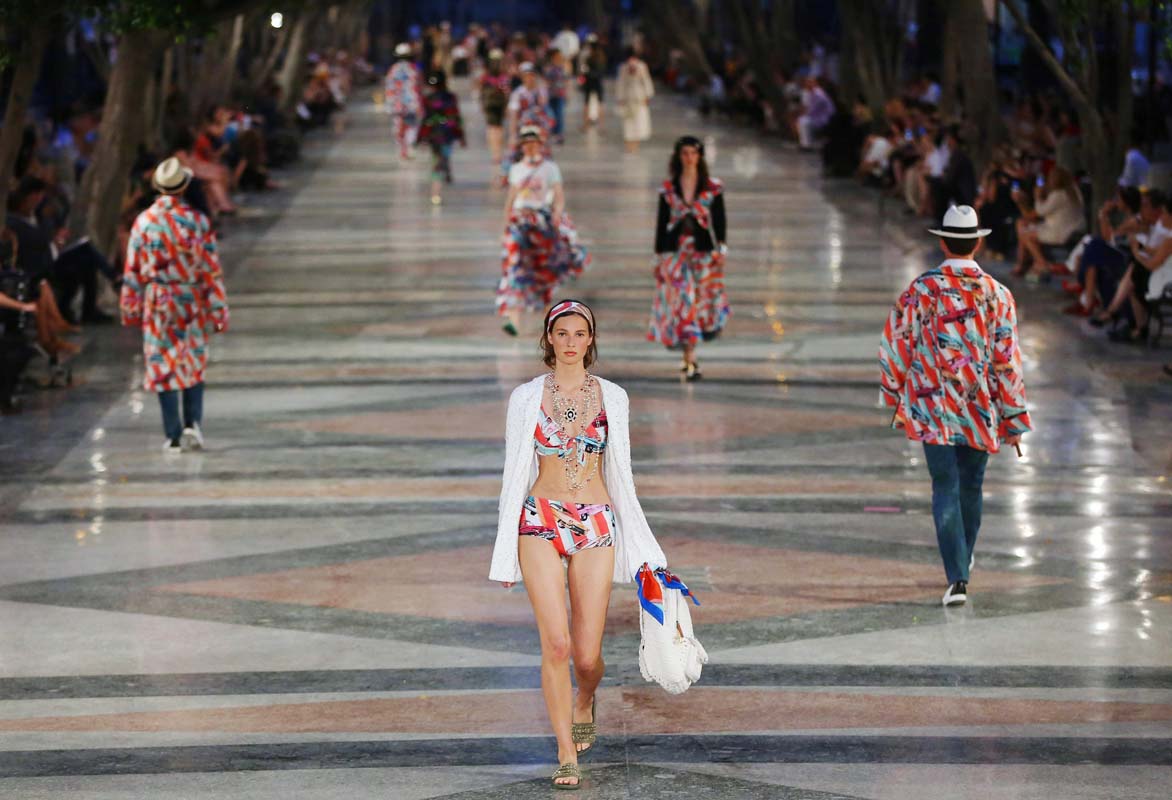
x=173 y=288
x=950 y=360
x=706 y=211
x=402 y=89
x=441 y=119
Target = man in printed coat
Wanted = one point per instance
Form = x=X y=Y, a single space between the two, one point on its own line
x=173 y=288
x=951 y=372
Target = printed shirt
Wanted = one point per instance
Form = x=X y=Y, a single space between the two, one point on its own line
x=950 y=361
x=555 y=79
x=534 y=183
x=402 y=88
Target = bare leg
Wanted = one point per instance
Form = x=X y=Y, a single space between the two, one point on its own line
x=1033 y=247
x=689 y=354
x=496 y=139
x=591 y=574
x=544 y=581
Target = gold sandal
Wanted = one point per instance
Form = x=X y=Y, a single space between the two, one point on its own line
x=586 y=732
x=567 y=770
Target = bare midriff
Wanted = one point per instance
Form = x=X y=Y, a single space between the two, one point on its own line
x=551 y=482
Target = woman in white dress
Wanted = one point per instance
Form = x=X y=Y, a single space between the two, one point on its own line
x=635 y=90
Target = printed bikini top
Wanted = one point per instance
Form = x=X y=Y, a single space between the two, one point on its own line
x=548 y=438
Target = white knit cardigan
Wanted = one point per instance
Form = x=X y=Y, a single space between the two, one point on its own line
x=634 y=542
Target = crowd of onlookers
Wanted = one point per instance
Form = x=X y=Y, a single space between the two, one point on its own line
x=1114 y=260
x=52 y=277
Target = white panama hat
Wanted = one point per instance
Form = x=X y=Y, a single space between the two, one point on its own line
x=171 y=177
x=960 y=222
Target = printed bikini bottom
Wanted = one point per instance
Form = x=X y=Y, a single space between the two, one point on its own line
x=569 y=527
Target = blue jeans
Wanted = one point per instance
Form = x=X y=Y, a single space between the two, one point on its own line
x=557 y=107
x=173 y=425
x=958 y=474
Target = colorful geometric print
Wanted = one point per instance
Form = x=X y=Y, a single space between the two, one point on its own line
x=569 y=527
x=690 y=302
x=174 y=288
x=536 y=258
x=699 y=208
x=532 y=108
x=951 y=365
x=441 y=119
x=650 y=586
x=550 y=439
x=402 y=90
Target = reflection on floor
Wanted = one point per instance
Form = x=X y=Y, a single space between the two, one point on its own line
x=302 y=611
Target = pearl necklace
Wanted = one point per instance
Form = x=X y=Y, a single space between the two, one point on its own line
x=580 y=405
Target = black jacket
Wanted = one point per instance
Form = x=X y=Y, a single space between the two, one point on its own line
x=668 y=241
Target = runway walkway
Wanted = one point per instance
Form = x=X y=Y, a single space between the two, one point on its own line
x=302 y=611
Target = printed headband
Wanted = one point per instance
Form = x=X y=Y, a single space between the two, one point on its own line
x=689 y=141
x=569 y=307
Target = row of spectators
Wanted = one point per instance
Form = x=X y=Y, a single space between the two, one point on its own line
x=51 y=276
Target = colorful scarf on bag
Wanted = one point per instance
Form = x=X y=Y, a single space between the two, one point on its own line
x=650 y=584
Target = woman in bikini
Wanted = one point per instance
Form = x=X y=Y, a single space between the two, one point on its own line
x=568 y=495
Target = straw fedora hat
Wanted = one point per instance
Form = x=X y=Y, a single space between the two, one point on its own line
x=960 y=222
x=171 y=177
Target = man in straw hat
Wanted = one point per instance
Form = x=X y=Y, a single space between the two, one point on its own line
x=173 y=288
x=951 y=371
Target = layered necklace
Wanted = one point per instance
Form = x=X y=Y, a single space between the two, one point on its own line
x=579 y=406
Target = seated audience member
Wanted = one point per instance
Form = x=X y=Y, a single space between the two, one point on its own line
x=958 y=183
x=875 y=164
x=1057 y=216
x=251 y=173
x=211 y=181
x=1099 y=262
x=49 y=258
x=1136 y=167
x=815 y=113
x=995 y=201
x=845 y=136
x=1152 y=214
x=1146 y=258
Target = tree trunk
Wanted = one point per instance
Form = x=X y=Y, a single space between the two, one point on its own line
x=231 y=59
x=875 y=33
x=683 y=32
x=121 y=132
x=985 y=129
x=754 y=38
x=27 y=66
x=293 y=69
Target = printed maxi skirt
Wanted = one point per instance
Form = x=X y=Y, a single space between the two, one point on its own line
x=690 y=301
x=536 y=259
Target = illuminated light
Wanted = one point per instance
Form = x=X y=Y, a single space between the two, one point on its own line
x=1143 y=635
x=277 y=19
x=98 y=435
x=79 y=535
x=781 y=377
x=96 y=463
x=1096 y=508
x=1102 y=627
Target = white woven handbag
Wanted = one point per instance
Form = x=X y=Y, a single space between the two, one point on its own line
x=669 y=652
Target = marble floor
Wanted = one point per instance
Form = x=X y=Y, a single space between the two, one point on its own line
x=302 y=610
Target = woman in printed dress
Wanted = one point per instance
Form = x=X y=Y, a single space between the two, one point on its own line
x=690 y=302
x=173 y=288
x=441 y=128
x=540 y=243
x=403 y=100
x=528 y=108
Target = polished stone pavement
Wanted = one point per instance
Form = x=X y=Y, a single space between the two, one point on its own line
x=301 y=611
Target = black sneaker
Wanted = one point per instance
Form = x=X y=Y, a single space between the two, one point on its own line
x=957 y=594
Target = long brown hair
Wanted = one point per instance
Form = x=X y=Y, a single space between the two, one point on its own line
x=675 y=166
x=549 y=355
